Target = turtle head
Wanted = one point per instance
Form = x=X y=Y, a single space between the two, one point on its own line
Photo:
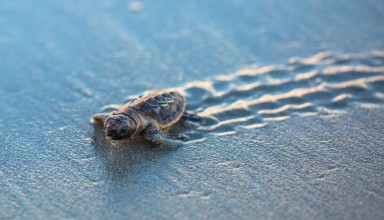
x=119 y=127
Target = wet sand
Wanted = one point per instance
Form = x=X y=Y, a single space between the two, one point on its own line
x=291 y=98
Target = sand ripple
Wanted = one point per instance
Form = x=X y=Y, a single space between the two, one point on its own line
x=325 y=83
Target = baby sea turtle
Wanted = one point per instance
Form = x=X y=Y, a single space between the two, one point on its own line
x=149 y=115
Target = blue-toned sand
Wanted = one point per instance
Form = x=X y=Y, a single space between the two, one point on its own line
x=290 y=96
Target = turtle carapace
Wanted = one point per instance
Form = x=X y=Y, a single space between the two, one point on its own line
x=149 y=115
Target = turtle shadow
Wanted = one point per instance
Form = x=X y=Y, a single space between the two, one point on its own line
x=127 y=158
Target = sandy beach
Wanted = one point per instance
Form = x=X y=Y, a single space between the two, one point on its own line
x=291 y=97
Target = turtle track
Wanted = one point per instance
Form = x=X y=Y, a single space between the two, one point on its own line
x=250 y=98
x=323 y=84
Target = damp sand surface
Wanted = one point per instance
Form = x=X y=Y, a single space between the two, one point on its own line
x=290 y=101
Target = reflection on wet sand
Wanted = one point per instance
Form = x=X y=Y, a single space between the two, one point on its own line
x=124 y=159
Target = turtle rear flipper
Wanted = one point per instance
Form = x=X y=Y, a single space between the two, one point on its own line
x=189 y=116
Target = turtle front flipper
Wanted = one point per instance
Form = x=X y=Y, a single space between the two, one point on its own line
x=105 y=112
x=100 y=117
x=153 y=133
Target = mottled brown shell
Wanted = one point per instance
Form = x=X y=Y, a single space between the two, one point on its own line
x=162 y=107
